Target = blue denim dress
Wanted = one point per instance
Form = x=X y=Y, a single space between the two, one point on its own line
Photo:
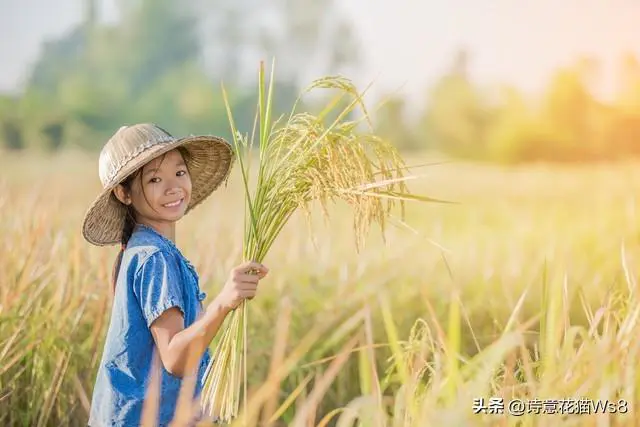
x=154 y=276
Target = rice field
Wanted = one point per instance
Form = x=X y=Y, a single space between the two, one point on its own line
x=526 y=289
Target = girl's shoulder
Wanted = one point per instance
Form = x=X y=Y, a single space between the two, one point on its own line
x=145 y=243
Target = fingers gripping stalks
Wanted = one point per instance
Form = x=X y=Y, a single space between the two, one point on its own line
x=242 y=284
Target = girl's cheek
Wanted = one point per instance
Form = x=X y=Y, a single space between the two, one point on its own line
x=151 y=190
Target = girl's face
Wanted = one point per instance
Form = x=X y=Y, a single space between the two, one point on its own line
x=161 y=191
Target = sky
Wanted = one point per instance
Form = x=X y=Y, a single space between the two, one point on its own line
x=409 y=43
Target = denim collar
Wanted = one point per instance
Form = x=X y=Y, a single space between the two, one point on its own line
x=166 y=241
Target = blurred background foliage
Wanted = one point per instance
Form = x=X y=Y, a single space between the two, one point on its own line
x=164 y=62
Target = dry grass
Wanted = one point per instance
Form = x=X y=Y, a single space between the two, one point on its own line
x=532 y=292
x=302 y=158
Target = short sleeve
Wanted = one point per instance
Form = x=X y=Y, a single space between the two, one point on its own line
x=158 y=287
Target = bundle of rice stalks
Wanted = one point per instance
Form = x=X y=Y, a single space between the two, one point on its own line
x=302 y=158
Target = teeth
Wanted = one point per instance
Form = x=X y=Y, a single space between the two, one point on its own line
x=170 y=205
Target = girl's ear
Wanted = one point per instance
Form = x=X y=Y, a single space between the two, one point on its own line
x=122 y=194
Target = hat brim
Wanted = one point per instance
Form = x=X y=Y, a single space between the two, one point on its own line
x=210 y=163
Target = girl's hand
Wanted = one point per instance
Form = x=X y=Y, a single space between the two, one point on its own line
x=242 y=284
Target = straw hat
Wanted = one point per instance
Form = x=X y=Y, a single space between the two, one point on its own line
x=131 y=148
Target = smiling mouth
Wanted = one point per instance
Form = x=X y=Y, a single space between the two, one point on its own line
x=173 y=204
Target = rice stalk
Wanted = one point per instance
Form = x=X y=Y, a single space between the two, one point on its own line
x=304 y=159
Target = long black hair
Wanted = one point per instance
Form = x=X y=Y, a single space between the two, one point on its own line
x=127 y=229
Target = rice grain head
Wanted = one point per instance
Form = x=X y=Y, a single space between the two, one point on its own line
x=304 y=158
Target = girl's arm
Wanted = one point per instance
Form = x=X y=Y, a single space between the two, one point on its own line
x=181 y=348
x=175 y=343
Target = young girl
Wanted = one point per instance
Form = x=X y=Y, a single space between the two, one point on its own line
x=150 y=181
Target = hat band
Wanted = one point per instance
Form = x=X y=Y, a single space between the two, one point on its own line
x=132 y=155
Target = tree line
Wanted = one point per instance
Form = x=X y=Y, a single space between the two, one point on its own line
x=565 y=123
x=163 y=62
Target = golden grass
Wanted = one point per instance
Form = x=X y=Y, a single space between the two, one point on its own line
x=526 y=288
x=302 y=158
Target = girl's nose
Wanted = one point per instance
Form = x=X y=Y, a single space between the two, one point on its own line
x=171 y=191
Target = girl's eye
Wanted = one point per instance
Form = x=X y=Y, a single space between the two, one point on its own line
x=181 y=173
x=154 y=178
